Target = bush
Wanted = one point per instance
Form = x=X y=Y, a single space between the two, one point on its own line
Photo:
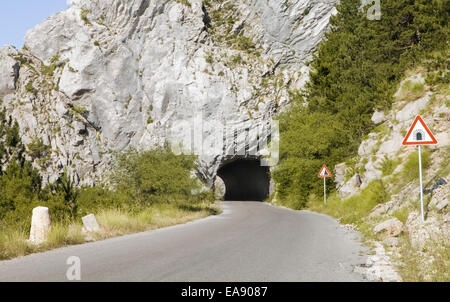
x=155 y=176
x=94 y=199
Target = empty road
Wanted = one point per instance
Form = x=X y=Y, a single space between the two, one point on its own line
x=249 y=241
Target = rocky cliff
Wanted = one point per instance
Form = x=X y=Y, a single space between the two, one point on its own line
x=106 y=75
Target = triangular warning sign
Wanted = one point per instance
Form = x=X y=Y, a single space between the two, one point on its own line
x=324 y=172
x=419 y=134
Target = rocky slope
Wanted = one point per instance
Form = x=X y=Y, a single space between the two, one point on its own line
x=419 y=250
x=106 y=75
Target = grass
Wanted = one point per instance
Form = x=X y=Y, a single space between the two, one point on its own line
x=388 y=165
x=401 y=214
x=113 y=222
x=415 y=268
x=410 y=170
x=13 y=244
x=354 y=209
x=29 y=87
x=411 y=90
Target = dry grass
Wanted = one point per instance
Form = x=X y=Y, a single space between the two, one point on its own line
x=432 y=266
x=13 y=243
x=114 y=222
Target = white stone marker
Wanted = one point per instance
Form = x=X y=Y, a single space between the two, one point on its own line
x=40 y=225
x=90 y=223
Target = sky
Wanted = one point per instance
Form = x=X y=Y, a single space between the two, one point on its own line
x=18 y=16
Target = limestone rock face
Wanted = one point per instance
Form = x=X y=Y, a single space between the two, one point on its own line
x=339 y=175
x=350 y=187
x=9 y=69
x=106 y=75
x=378 y=117
x=40 y=225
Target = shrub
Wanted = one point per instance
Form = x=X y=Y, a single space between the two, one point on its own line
x=93 y=199
x=37 y=148
x=155 y=176
x=388 y=165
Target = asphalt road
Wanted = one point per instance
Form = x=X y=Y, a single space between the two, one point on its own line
x=249 y=241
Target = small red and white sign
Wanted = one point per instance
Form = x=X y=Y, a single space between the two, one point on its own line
x=419 y=134
x=324 y=172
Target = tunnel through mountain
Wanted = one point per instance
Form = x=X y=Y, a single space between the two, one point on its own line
x=245 y=180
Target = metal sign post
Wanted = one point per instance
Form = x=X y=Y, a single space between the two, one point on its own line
x=421 y=187
x=324 y=173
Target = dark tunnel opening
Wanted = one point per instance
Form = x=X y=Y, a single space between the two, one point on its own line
x=245 y=180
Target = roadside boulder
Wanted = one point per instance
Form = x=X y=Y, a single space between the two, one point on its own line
x=40 y=225
x=90 y=223
x=389 y=228
x=219 y=188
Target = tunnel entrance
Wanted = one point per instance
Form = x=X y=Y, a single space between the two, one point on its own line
x=245 y=180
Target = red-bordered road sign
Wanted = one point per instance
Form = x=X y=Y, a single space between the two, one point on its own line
x=324 y=172
x=419 y=134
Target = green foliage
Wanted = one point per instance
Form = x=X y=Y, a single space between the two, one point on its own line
x=94 y=199
x=411 y=91
x=236 y=59
x=410 y=170
x=354 y=71
x=352 y=210
x=402 y=214
x=184 y=2
x=20 y=187
x=141 y=179
x=155 y=176
x=245 y=43
x=388 y=165
x=84 y=17
x=29 y=87
x=79 y=109
x=37 y=148
x=55 y=59
x=48 y=70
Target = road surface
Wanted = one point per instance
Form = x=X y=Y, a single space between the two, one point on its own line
x=249 y=241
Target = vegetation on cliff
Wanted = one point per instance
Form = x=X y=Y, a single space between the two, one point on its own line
x=354 y=71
